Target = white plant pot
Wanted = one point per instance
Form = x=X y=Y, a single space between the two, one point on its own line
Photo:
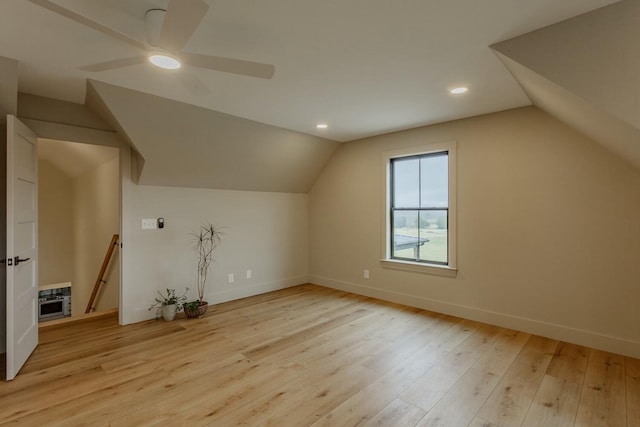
x=169 y=312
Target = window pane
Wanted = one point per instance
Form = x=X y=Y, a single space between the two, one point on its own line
x=434 y=228
x=405 y=234
x=406 y=179
x=434 y=181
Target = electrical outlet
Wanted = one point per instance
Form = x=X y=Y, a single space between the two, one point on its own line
x=366 y=274
x=231 y=278
x=248 y=274
x=149 y=223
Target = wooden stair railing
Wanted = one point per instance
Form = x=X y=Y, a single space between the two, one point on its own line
x=100 y=280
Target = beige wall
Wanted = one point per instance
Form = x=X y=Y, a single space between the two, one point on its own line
x=264 y=232
x=55 y=214
x=548 y=230
x=9 y=69
x=3 y=236
x=96 y=213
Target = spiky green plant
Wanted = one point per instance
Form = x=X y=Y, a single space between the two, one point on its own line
x=170 y=298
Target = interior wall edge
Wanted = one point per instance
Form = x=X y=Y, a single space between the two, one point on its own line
x=127 y=221
x=549 y=330
x=3 y=237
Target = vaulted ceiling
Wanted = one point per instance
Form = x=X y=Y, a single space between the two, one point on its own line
x=364 y=67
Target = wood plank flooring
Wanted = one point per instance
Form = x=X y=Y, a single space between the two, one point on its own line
x=314 y=356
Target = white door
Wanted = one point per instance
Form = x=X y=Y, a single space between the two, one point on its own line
x=22 y=244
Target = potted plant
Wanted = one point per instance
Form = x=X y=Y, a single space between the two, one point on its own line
x=170 y=303
x=193 y=309
x=205 y=241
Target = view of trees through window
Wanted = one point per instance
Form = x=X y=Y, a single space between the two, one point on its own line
x=419 y=208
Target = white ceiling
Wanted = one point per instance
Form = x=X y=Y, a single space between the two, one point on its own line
x=74 y=159
x=365 y=67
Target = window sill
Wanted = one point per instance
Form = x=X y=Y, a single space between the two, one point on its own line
x=439 y=270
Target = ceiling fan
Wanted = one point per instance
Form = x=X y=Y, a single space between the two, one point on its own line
x=168 y=32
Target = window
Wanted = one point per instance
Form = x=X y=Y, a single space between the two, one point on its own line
x=420 y=209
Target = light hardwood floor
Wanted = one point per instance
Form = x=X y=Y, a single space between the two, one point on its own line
x=314 y=356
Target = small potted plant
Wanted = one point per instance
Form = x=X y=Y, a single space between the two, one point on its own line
x=193 y=308
x=170 y=303
x=205 y=241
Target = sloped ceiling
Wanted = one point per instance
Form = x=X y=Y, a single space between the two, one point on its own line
x=586 y=72
x=33 y=107
x=617 y=135
x=74 y=159
x=188 y=146
x=365 y=67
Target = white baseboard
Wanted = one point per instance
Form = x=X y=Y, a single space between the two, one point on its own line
x=142 y=314
x=248 y=291
x=559 y=332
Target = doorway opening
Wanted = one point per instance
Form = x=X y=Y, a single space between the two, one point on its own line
x=79 y=215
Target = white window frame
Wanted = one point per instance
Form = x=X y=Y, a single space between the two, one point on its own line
x=421 y=267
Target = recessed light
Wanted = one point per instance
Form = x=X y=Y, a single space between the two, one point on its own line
x=322 y=125
x=459 y=90
x=165 y=61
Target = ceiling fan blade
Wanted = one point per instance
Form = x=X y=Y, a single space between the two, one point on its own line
x=116 y=63
x=229 y=65
x=180 y=22
x=49 y=5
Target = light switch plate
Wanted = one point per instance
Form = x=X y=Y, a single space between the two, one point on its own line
x=149 y=223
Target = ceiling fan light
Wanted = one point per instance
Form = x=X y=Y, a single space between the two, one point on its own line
x=165 y=61
x=459 y=90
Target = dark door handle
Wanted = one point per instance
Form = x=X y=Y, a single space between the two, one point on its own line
x=17 y=260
